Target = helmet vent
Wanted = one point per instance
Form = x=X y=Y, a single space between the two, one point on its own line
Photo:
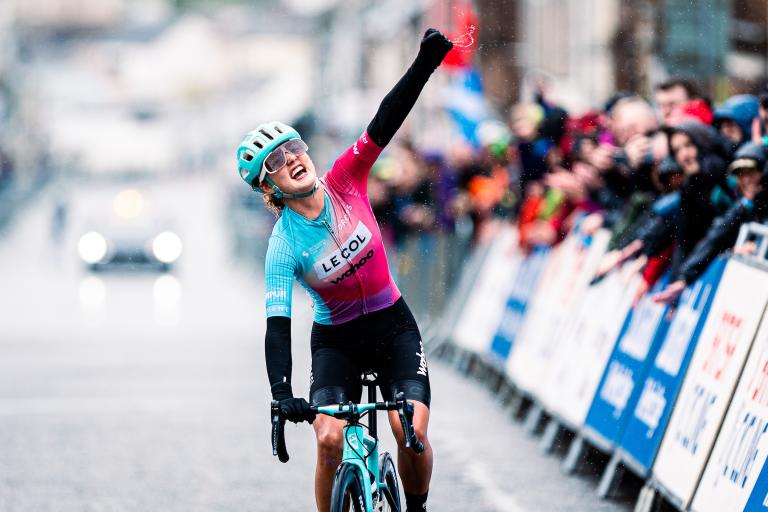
x=258 y=144
x=278 y=129
x=248 y=156
x=267 y=134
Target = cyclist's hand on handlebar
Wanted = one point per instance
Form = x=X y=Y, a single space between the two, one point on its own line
x=296 y=410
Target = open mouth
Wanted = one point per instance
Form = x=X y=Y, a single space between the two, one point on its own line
x=299 y=172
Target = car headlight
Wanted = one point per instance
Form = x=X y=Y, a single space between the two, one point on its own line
x=167 y=247
x=92 y=247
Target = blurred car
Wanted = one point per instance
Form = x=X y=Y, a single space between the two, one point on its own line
x=129 y=237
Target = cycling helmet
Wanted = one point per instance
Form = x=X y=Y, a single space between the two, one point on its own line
x=256 y=145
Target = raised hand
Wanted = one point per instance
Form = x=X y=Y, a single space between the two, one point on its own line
x=434 y=47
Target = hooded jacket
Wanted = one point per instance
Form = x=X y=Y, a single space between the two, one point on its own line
x=703 y=197
x=741 y=109
x=722 y=235
x=725 y=230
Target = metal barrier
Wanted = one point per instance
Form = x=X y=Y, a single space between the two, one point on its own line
x=677 y=397
x=427 y=268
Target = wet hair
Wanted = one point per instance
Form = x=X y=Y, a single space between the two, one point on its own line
x=273 y=204
x=678 y=81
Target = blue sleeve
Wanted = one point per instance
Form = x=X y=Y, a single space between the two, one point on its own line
x=279 y=269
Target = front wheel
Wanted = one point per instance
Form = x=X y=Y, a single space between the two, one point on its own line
x=347 y=489
x=390 y=496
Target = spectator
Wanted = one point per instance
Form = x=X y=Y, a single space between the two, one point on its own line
x=672 y=94
x=734 y=119
x=749 y=167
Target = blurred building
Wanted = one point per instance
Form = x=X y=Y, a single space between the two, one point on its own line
x=586 y=49
x=747 y=61
x=364 y=48
x=141 y=86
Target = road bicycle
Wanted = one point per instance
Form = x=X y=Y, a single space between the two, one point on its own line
x=365 y=480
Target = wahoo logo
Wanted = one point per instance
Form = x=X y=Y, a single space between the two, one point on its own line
x=351 y=247
x=422 y=360
x=354 y=268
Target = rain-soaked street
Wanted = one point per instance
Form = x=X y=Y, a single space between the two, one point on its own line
x=138 y=391
x=571 y=196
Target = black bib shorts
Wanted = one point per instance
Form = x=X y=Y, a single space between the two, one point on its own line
x=386 y=342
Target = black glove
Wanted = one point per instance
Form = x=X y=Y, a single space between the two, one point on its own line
x=434 y=47
x=296 y=410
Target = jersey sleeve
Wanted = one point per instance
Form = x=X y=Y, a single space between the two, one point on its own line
x=349 y=173
x=279 y=269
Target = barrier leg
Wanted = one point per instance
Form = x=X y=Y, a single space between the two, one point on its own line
x=648 y=500
x=451 y=354
x=533 y=419
x=517 y=406
x=476 y=367
x=498 y=382
x=506 y=393
x=464 y=362
x=551 y=433
x=437 y=349
x=479 y=369
x=611 y=479
x=483 y=373
x=575 y=458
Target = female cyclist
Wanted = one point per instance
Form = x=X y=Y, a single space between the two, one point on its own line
x=327 y=238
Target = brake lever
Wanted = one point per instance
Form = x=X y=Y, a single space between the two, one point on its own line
x=278 y=433
x=405 y=413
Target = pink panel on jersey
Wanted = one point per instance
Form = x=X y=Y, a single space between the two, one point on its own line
x=356 y=240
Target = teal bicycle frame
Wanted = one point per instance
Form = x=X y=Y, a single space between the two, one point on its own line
x=361 y=450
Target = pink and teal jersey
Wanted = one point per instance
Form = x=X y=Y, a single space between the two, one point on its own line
x=339 y=257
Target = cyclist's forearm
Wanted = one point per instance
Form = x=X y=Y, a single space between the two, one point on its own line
x=277 y=348
x=396 y=105
x=400 y=100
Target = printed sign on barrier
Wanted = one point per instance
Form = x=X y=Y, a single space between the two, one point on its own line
x=619 y=388
x=742 y=444
x=514 y=311
x=575 y=374
x=645 y=426
x=539 y=310
x=708 y=386
x=562 y=285
x=485 y=304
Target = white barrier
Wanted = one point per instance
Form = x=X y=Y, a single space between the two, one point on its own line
x=482 y=312
x=588 y=341
x=742 y=444
x=709 y=383
x=562 y=285
x=713 y=452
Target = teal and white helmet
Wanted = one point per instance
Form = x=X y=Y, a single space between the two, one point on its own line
x=257 y=145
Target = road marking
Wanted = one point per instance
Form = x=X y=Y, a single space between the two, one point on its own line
x=476 y=473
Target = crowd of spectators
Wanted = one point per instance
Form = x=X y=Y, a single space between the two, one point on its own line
x=673 y=179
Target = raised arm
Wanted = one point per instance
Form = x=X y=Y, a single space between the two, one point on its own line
x=400 y=100
x=350 y=171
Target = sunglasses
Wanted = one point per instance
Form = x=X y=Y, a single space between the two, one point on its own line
x=276 y=159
